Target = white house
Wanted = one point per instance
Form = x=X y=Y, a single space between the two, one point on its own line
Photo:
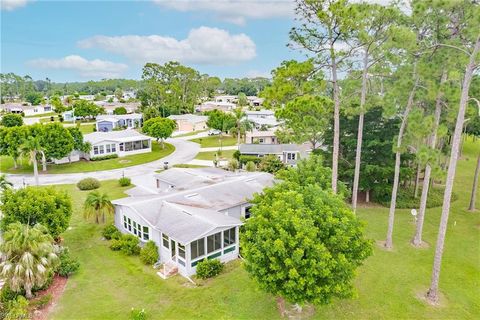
x=27 y=110
x=122 y=143
x=262 y=118
x=106 y=123
x=195 y=214
x=288 y=153
x=189 y=122
x=212 y=105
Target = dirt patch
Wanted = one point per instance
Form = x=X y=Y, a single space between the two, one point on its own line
x=423 y=245
x=55 y=291
x=381 y=245
x=421 y=294
x=124 y=161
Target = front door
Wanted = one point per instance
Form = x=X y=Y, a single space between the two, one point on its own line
x=173 y=247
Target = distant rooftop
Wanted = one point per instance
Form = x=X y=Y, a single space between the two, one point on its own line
x=118 y=136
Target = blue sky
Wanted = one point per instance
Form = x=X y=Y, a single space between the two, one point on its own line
x=78 y=41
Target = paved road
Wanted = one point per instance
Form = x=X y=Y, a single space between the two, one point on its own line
x=185 y=151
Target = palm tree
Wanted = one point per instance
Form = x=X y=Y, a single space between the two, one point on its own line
x=4 y=183
x=31 y=148
x=28 y=256
x=97 y=205
x=242 y=124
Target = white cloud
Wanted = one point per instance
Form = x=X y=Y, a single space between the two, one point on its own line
x=86 y=68
x=202 y=46
x=13 y=4
x=234 y=11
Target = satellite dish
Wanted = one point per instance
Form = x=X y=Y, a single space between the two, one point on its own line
x=414 y=212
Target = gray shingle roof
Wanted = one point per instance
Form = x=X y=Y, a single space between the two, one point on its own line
x=118 y=136
x=254 y=148
x=193 y=118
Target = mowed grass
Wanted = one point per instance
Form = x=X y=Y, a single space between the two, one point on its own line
x=210 y=155
x=109 y=284
x=189 y=134
x=6 y=163
x=86 y=128
x=214 y=141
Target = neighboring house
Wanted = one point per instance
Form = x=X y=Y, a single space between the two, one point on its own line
x=190 y=122
x=122 y=143
x=129 y=94
x=112 y=122
x=27 y=110
x=288 y=153
x=194 y=214
x=262 y=119
x=68 y=116
x=74 y=156
x=88 y=97
x=212 y=105
x=226 y=99
x=109 y=107
x=255 y=101
x=263 y=114
x=261 y=137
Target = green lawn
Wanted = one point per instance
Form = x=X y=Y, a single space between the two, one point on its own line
x=6 y=163
x=109 y=284
x=87 y=128
x=210 y=155
x=42 y=115
x=214 y=141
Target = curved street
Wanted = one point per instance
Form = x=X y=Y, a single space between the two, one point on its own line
x=185 y=151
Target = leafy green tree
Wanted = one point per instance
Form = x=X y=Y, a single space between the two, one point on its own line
x=98 y=205
x=35 y=98
x=290 y=80
x=29 y=257
x=210 y=85
x=31 y=205
x=120 y=110
x=220 y=120
x=13 y=139
x=57 y=141
x=271 y=164
x=249 y=86
x=303 y=244
x=118 y=93
x=306 y=118
x=242 y=99
x=159 y=128
x=57 y=104
x=83 y=108
x=11 y=120
x=78 y=143
x=150 y=112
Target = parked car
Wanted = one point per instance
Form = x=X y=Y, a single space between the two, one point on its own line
x=214 y=132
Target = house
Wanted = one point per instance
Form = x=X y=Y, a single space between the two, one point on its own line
x=68 y=116
x=263 y=114
x=129 y=94
x=261 y=137
x=26 y=110
x=88 y=97
x=289 y=154
x=255 y=101
x=190 y=122
x=212 y=105
x=109 y=107
x=226 y=99
x=195 y=214
x=106 y=123
x=122 y=143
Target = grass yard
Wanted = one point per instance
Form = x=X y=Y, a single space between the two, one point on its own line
x=214 y=141
x=210 y=155
x=87 y=128
x=109 y=284
x=6 y=163
x=190 y=133
x=41 y=115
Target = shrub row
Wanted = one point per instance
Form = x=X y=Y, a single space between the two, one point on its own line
x=406 y=199
x=245 y=159
x=108 y=156
x=209 y=268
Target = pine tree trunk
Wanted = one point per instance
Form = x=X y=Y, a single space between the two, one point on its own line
x=417 y=239
x=358 y=155
x=432 y=294
x=398 y=154
x=367 y=196
x=336 y=123
x=417 y=181
x=471 y=207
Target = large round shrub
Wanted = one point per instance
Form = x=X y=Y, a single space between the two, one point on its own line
x=127 y=244
x=149 y=253
x=88 y=184
x=209 y=268
x=111 y=232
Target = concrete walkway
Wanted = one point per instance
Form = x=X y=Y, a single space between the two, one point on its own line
x=185 y=151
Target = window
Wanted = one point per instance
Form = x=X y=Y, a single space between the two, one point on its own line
x=100 y=148
x=125 y=222
x=129 y=224
x=229 y=237
x=247 y=212
x=197 y=248
x=108 y=148
x=145 y=144
x=291 y=156
x=165 y=241
x=128 y=146
x=261 y=140
x=145 y=233
x=214 y=242
x=121 y=146
x=181 y=251
x=95 y=150
x=114 y=148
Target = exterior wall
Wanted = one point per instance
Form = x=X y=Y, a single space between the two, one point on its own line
x=70 y=158
x=121 y=211
x=105 y=126
x=251 y=138
x=117 y=149
x=188 y=126
x=35 y=110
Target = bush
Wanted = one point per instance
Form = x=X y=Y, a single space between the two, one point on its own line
x=236 y=155
x=124 y=181
x=7 y=294
x=88 y=184
x=100 y=158
x=41 y=302
x=138 y=314
x=233 y=164
x=11 y=120
x=127 y=244
x=111 y=232
x=149 y=253
x=68 y=265
x=16 y=309
x=209 y=268
x=251 y=166
x=245 y=159
x=406 y=200
x=271 y=164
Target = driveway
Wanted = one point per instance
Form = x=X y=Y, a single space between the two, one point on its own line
x=185 y=151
